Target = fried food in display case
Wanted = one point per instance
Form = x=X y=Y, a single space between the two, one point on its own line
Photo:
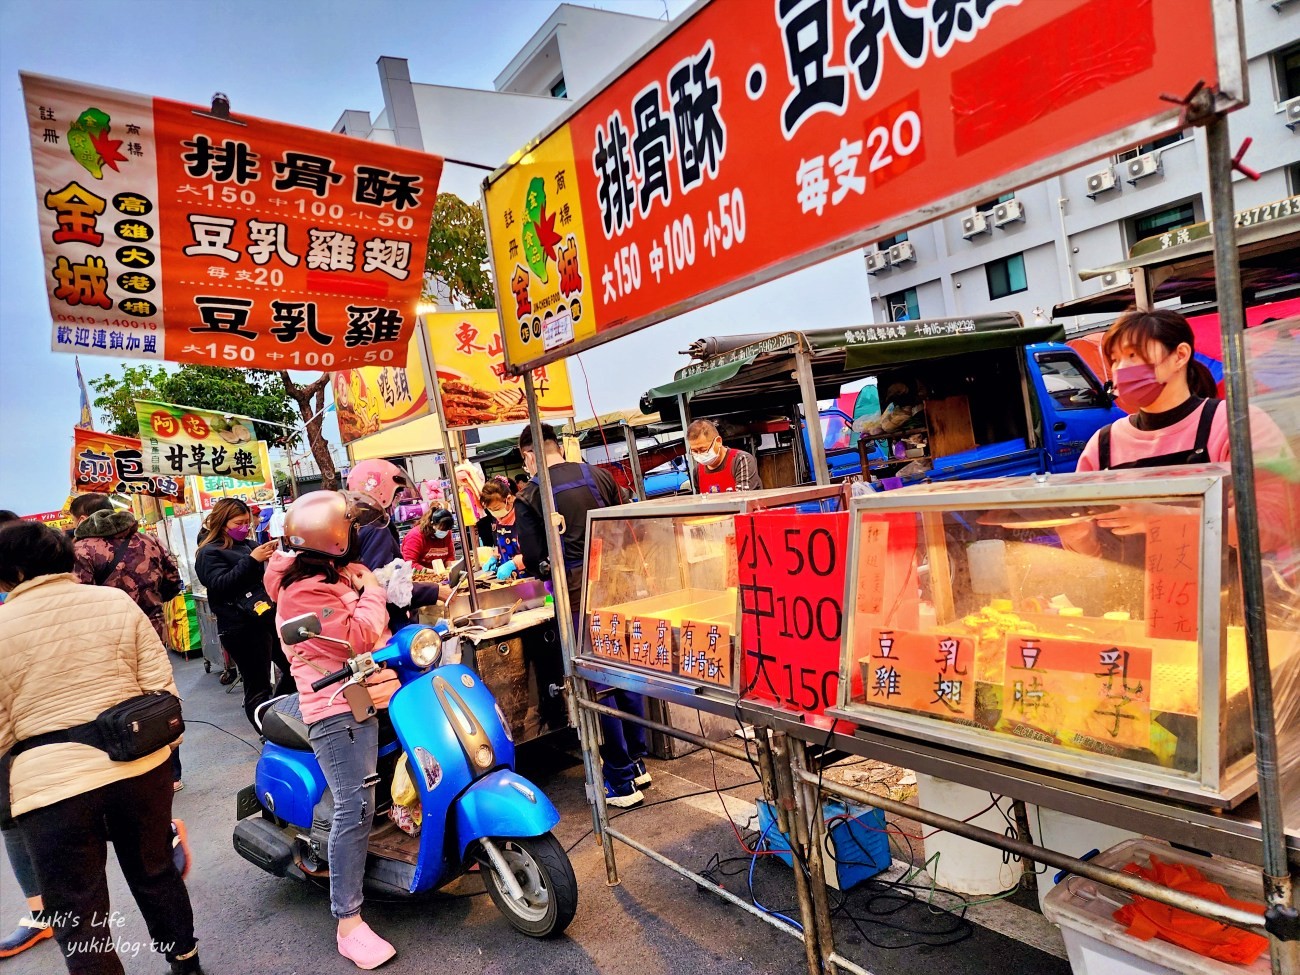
x=1090 y=624
x=660 y=588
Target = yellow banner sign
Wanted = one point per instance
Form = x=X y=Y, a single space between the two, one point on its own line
x=539 y=251
x=474 y=385
x=181 y=440
x=212 y=488
x=375 y=398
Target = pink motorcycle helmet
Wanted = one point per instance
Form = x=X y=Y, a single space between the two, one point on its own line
x=381 y=480
x=325 y=522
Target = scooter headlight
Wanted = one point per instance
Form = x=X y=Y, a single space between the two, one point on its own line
x=426 y=648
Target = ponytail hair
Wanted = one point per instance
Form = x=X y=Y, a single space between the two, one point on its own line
x=1139 y=329
x=1200 y=380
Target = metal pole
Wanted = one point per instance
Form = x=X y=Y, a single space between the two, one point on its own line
x=1232 y=322
x=580 y=692
x=634 y=461
x=812 y=809
x=811 y=416
x=1084 y=868
x=707 y=884
x=434 y=392
x=797 y=834
x=692 y=469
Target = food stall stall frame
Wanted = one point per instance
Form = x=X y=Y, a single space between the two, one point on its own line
x=1203 y=107
x=752 y=378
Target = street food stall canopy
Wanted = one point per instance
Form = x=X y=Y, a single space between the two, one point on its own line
x=420 y=436
x=1270 y=266
x=757 y=377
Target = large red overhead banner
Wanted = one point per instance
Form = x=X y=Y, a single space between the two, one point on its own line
x=171 y=234
x=757 y=138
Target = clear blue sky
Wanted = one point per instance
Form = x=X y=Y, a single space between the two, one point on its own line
x=295 y=61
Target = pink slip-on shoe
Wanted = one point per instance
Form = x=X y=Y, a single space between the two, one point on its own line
x=365 y=949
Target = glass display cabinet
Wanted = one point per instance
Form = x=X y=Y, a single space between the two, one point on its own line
x=660 y=584
x=1088 y=624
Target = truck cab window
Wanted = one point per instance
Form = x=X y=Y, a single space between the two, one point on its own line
x=1068 y=385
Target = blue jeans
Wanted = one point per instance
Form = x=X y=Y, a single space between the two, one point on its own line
x=21 y=862
x=348 y=751
x=624 y=742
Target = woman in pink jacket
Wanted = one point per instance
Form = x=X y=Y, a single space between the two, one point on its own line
x=320 y=576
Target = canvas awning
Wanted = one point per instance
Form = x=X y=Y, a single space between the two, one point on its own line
x=422 y=436
x=760 y=375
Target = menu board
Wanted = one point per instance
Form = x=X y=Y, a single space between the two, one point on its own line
x=701 y=650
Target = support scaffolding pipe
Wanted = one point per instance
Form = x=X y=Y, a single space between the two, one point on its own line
x=578 y=691
x=1232 y=321
x=1083 y=868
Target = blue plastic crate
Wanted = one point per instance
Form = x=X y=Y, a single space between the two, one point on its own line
x=861 y=844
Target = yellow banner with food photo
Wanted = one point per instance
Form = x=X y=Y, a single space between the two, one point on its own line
x=372 y=399
x=474 y=385
x=180 y=441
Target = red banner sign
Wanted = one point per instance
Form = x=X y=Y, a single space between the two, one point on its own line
x=791 y=573
x=172 y=234
x=103 y=463
x=757 y=138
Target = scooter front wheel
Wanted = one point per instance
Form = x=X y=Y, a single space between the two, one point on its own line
x=546 y=881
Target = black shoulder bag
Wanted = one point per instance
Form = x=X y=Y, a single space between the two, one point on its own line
x=136 y=727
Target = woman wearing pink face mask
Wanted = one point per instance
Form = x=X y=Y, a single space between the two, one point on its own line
x=231 y=565
x=1175 y=419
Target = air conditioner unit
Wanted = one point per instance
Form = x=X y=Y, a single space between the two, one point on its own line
x=1114 y=279
x=1291 y=109
x=1140 y=167
x=906 y=251
x=1101 y=181
x=974 y=224
x=1009 y=212
x=877 y=261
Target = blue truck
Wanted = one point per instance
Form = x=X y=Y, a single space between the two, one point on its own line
x=959 y=398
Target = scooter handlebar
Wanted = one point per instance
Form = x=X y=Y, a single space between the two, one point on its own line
x=328 y=679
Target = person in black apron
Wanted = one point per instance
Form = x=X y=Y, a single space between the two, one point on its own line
x=1176 y=420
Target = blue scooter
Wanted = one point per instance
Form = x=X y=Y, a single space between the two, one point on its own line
x=460 y=756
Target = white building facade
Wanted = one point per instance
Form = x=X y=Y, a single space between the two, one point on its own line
x=1024 y=250
x=568 y=57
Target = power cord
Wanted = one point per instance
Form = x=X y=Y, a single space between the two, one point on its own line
x=190 y=721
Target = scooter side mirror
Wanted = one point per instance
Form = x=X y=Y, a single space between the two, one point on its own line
x=300 y=628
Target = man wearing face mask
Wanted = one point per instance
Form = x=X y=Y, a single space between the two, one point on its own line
x=718 y=468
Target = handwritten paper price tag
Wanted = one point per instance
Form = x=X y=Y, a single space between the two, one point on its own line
x=608 y=639
x=927 y=672
x=1172 y=577
x=706 y=652
x=873 y=554
x=1094 y=696
x=650 y=643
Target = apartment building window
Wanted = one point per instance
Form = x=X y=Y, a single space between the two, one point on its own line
x=1006 y=276
x=888 y=242
x=1146 y=147
x=1158 y=222
x=1287 y=63
x=560 y=89
x=988 y=205
x=1293 y=176
x=902 y=306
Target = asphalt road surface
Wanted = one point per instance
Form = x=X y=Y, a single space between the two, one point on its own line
x=250 y=923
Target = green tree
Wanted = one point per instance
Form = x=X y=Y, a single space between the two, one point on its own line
x=458 y=251
x=247 y=392
x=117 y=396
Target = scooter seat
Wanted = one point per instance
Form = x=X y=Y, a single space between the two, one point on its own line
x=282 y=724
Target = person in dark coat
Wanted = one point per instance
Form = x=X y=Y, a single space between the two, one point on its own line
x=384 y=483
x=231 y=567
